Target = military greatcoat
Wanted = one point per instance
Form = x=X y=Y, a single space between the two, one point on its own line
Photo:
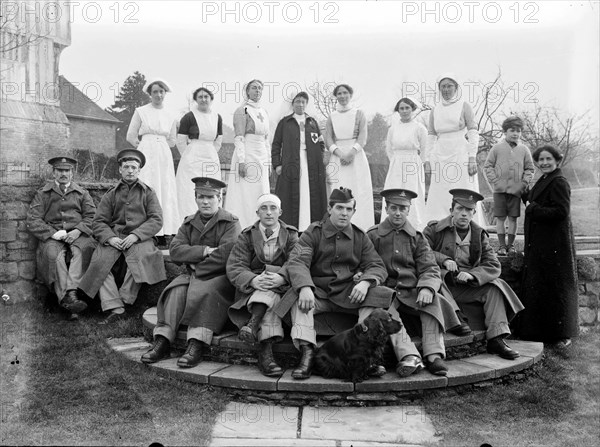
x=485 y=266
x=51 y=211
x=411 y=266
x=124 y=210
x=247 y=260
x=209 y=293
x=326 y=260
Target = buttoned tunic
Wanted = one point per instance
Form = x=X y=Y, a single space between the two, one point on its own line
x=411 y=266
x=326 y=260
x=51 y=211
x=124 y=210
x=485 y=266
x=209 y=292
x=248 y=260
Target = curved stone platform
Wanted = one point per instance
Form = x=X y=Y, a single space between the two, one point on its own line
x=227 y=348
x=245 y=382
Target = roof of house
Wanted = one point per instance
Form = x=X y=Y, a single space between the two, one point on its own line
x=77 y=105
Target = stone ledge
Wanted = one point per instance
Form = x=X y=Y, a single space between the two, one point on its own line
x=248 y=383
x=227 y=348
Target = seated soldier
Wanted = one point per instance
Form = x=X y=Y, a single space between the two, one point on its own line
x=199 y=298
x=60 y=217
x=414 y=274
x=471 y=269
x=252 y=267
x=321 y=271
x=128 y=217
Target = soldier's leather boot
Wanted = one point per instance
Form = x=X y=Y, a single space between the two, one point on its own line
x=305 y=366
x=193 y=354
x=266 y=362
x=249 y=332
x=160 y=350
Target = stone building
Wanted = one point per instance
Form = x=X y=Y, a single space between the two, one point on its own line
x=91 y=128
x=32 y=125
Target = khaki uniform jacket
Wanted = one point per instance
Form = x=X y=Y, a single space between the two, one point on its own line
x=485 y=266
x=247 y=260
x=326 y=260
x=126 y=210
x=51 y=211
x=411 y=266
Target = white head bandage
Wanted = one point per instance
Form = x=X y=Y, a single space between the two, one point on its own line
x=268 y=198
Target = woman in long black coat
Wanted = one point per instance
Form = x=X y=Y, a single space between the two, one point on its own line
x=297 y=157
x=550 y=273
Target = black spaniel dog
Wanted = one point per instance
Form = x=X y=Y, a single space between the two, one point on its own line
x=355 y=354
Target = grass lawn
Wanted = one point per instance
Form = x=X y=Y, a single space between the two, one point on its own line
x=585 y=211
x=557 y=406
x=70 y=388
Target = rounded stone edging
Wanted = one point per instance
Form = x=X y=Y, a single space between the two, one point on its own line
x=248 y=384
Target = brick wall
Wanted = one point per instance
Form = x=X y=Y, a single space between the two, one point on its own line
x=97 y=136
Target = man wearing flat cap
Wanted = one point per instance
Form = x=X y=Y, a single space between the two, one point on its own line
x=200 y=297
x=128 y=217
x=414 y=274
x=321 y=270
x=60 y=217
x=471 y=269
x=253 y=268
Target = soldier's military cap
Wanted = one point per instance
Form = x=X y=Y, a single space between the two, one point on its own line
x=63 y=162
x=207 y=185
x=466 y=197
x=398 y=196
x=131 y=154
x=341 y=195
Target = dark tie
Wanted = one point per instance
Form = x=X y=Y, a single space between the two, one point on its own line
x=63 y=188
x=268 y=232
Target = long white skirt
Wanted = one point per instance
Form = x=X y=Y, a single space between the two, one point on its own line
x=159 y=174
x=199 y=159
x=304 y=210
x=243 y=192
x=357 y=177
x=449 y=170
x=406 y=172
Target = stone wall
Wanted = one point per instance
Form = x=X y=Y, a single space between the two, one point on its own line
x=93 y=135
x=17 y=246
x=588 y=270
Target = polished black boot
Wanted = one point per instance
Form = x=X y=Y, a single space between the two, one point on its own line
x=159 y=350
x=193 y=354
x=266 y=362
x=305 y=366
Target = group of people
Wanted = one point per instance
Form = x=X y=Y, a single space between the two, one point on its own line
x=308 y=165
x=252 y=265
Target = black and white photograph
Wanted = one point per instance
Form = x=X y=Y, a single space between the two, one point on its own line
x=300 y=223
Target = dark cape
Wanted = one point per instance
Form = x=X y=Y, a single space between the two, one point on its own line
x=285 y=152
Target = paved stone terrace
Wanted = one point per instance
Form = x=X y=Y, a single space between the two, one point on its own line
x=245 y=382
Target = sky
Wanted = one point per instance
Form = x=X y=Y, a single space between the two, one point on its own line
x=547 y=52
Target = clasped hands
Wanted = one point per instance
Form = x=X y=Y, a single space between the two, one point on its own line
x=461 y=277
x=346 y=158
x=67 y=237
x=123 y=244
x=267 y=281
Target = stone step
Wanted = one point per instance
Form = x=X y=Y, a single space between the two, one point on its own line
x=226 y=342
x=388 y=389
